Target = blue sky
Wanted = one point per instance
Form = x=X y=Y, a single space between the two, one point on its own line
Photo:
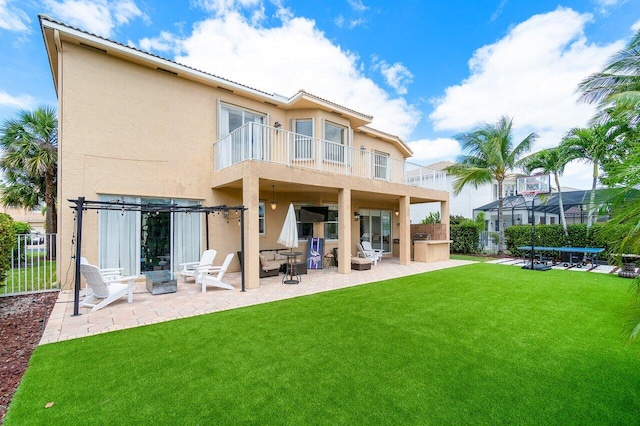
x=426 y=70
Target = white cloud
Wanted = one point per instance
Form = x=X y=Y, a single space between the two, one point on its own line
x=100 y=17
x=433 y=150
x=19 y=102
x=397 y=75
x=636 y=26
x=13 y=19
x=165 y=42
x=289 y=57
x=531 y=75
x=357 y=5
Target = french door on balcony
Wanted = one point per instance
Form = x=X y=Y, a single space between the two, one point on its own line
x=248 y=144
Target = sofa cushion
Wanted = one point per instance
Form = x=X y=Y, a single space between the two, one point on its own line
x=263 y=260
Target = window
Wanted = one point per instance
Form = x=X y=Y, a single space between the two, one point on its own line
x=509 y=189
x=244 y=144
x=305 y=229
x=336 y=137
x=381 y=165
x=331 y=226
x=262 y=226
x=304 y=143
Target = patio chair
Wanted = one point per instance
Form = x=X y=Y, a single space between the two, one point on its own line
x=106 y=291
x=193 y=269
x=107 y=273
x=206 y=279
x=372 y=255
x=366 y=245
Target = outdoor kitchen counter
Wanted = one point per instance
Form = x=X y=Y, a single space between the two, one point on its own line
x=428 y=251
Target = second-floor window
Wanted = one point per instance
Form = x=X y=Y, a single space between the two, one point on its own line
x=381 y=165
x=244 y=144
x=303 y=148
x=336 y=135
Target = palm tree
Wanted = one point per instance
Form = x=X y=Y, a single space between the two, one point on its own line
x=592 y=144
x=551 y=160
x=619 y=83
x=30 y=162
x=490 y=156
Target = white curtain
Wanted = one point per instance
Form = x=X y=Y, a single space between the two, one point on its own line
x=187 y=236
x=120 y=237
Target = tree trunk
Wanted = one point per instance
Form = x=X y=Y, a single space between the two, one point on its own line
x=500 y=220
x=51 y=214
x=563 y=219
x=592 y=197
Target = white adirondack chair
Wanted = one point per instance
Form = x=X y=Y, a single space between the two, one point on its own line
x=371 y=254
x=366 y=245
x=193 y=269
x=105 y=291
x=206 y=279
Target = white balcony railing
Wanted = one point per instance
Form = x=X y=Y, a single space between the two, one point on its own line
x=258 y=142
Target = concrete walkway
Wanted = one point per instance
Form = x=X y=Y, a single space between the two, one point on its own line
x=190 y=301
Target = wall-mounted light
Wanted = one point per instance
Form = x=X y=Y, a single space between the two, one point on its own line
x=274 y=205
x=356 y=216
x=396 y=212
x=363 y=148
x=277 y=125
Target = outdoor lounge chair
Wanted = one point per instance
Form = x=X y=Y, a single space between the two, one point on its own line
x=108 y=291
x=371 y=254
x=206 y=279
x=366 y=245
x=108 y=273
x=193 y=269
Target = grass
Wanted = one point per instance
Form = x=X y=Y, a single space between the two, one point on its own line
x=480 y=344
x=471 y=257
x=35 y=276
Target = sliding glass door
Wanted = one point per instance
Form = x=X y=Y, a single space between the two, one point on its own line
x=140 y=242
x=375 y=227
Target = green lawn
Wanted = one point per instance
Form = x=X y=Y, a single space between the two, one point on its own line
x=470 y=257
x=35 y=276
x=478 y=344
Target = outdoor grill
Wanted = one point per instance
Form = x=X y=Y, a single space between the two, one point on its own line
x=418 y=236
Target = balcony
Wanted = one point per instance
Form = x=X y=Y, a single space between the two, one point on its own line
x=257 y=142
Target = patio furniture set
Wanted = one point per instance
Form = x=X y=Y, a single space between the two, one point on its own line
x=107 y=285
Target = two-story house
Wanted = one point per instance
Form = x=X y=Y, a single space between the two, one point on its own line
x=139 y=128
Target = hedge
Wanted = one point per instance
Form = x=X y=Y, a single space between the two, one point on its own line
x=7 y=242
x=465 y=237
x=553 y=236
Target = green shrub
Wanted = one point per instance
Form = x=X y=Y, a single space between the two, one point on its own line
x=553 y=236
x=7 y=242
x=465 y=237
x=22 y=229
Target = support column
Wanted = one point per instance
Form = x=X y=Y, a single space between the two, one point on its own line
x=250 y=199
x=405 y=230
x=345 y=219
x=444 y=218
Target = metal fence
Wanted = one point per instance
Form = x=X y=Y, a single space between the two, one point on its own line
x=33 y=266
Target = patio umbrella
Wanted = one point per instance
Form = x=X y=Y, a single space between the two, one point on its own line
x=289 y=234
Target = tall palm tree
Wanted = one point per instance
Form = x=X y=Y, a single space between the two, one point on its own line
x=619 y=83
x=591 y=144
x=550 y=161
x=489 y=156
x=30 y=162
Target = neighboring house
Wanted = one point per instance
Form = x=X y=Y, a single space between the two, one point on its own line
x=34 y=218
x=139 y=128
x=470 y=198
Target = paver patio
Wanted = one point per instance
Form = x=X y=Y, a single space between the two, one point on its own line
x=190 y=301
